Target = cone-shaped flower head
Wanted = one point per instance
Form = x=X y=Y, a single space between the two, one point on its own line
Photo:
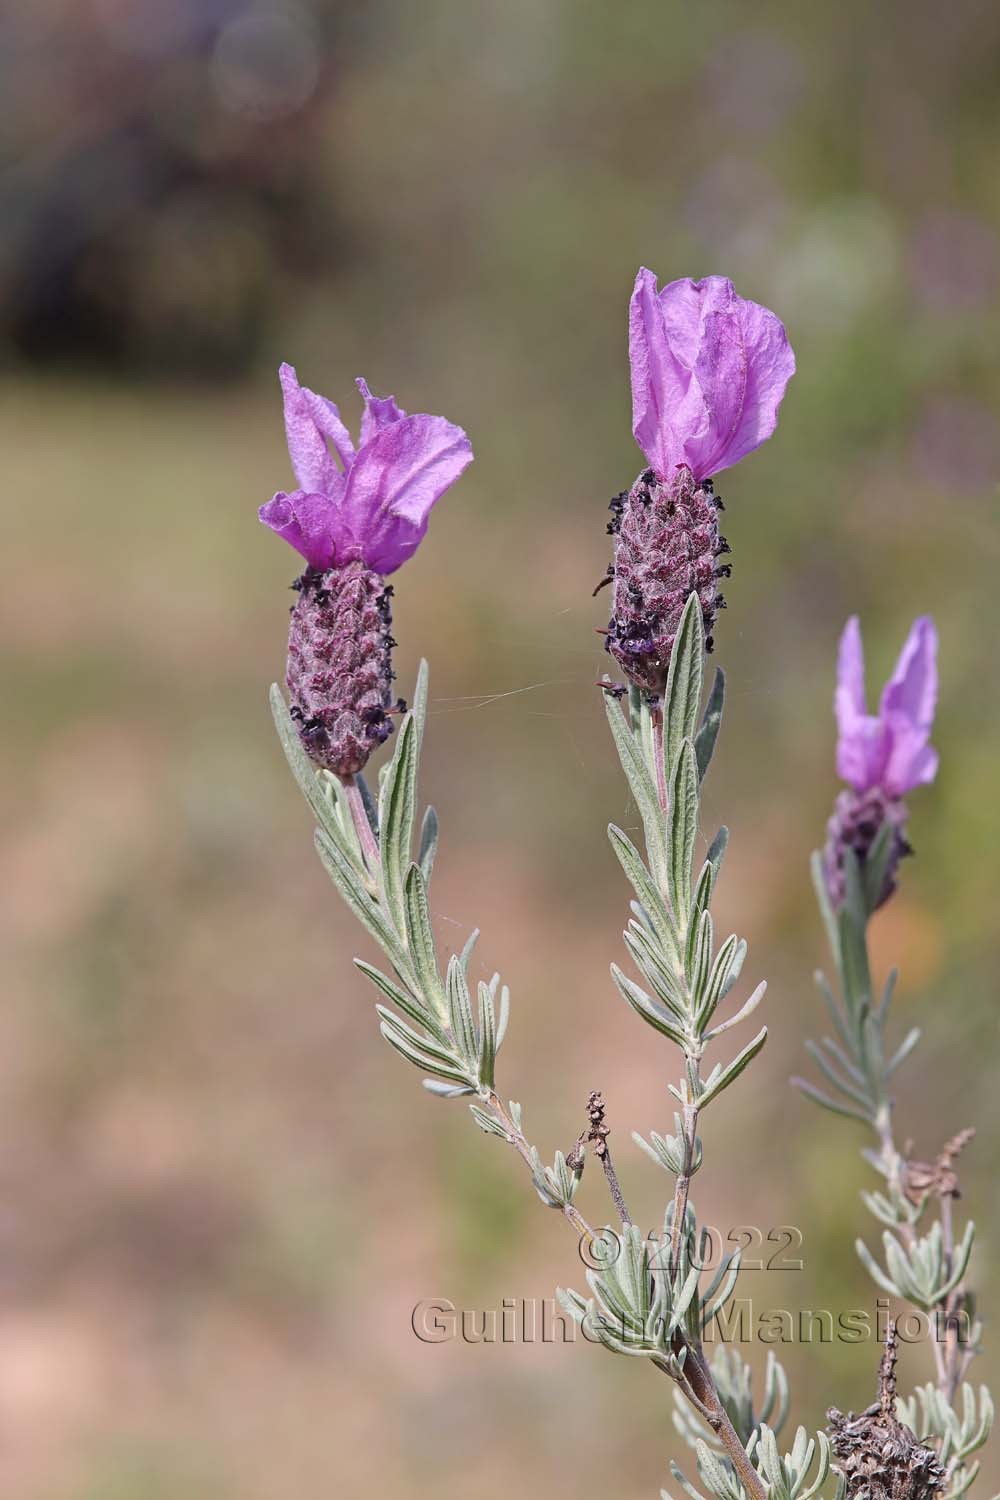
x=358 y=515
x=709 y=370
x=881 y=756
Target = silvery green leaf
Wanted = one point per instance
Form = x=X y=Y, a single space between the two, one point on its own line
x=646 y=1007
x=642 y=883
x=729 y=1074
x=447 y=1090
x=825 y=1102
x=419 y=1055
x=876 y=863
x=887 y=994
x=504 y=1014
x=410 y=1005
x=428 y=1046
x=460 y=1012
x=640 y=779
x=833 y=1009
x=514 y=1110
x=682 y=830
x=841 y=1084
x=420 y=941
x=466 y=952
x=717 y=1474
x=823 y=902
x=746 y=1009
x=488 y=1123
x=708 y=733
x=396 y=813
x=682 y=698
x=717 y=851
x=854 y=962
x=903 y=1051
x=352 y=888
x=699 y=964
x=428 y=844
x=487 y=1037
x=654 y=965
x=302 y=768
x=725 y=971
x=669 y=1151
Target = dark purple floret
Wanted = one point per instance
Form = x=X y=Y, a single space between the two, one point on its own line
x=339 y=665
x=856 y=822
x=668 y=547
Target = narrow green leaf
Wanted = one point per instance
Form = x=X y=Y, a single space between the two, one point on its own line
x=735 y=1068
x=876 y=863
x=396 y=811
x=302 y=768
x=365 y=908
x=439 y=1053
x=903 y=1050
x=853 y=948
x=486 y=1122
x=682 y=698
x=682 y=831
x=419 y=1059
x=408 y=1004
x=825 y=1102
x=642 y=883
x=823 y=902
x=487 y=1037
x=708 y=733
x=645 y=1006
x=420 y=941
x=640 y=779
x=428 y=844
x=460 y=1010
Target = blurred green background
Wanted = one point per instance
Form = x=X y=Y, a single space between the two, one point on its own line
x=220 y=1194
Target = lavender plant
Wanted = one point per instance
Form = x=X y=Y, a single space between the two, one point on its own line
x=709 y=370
x=929 y=1437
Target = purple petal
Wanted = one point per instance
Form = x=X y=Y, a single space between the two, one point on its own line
x=850 y=698
x=395 y=481
x=862 y=743
x=379 y=412
x=308 y=522
x=659 y=381
x=908 y=703
x=309 y=421
x=709 y=370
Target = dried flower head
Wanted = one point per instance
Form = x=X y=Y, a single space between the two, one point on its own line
x=881 y=756
x=357 y=516
x=879 y=1458
x=709 y=370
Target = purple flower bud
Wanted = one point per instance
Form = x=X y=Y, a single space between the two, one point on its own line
x=709 y=370
x=339 y=665
x=358 y=515
x=668 y=547
x=881 y=756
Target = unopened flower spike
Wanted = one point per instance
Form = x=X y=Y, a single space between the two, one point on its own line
x=356 y=517
x=709 y=370
x=880 y=756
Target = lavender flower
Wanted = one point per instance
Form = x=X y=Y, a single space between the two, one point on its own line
x=709 y=370
x=881 y=756
x=357 y=516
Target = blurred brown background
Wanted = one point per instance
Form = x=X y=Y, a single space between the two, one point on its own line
x=220 y=1194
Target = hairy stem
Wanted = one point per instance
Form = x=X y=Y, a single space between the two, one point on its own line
x=362 y=827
